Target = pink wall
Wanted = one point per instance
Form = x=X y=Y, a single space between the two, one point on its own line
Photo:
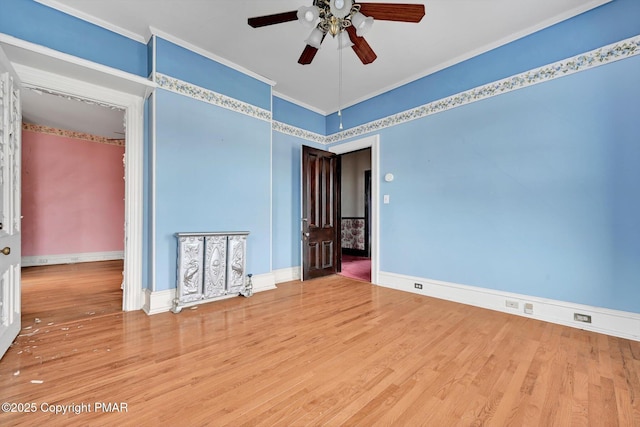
x=72 y=195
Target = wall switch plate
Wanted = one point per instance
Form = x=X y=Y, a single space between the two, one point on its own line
x=386 y=199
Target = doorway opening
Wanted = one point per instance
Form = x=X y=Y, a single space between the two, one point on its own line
x=370 y=203
x=126 y=94
x=355 y=221
x=73 y=196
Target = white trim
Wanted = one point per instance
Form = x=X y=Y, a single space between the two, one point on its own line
x=209 y=55
x=133 y=205
x=287 y=274
x=31 y=261
x=263 y=282
x=134 y=114
x=373 y=142
x=154 y=58
x=606 y=321
x=158 y=301
x=153 y=195
x=271 y=183
x=152 y=180
x=162 y=301
x=300 y=103
x=92 y=19
x=301 y=230
x=31 y=55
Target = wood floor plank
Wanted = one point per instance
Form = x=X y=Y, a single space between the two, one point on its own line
x=327 y=352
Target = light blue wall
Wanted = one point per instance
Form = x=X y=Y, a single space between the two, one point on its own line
x=300 y=117
x=606 y=24
x=33 y=22
x=212 y=174
x=183 y=64
x=536 y=191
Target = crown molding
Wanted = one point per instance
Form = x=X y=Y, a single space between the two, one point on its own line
x=300 y=103
x=92 y=19
x=212 y=56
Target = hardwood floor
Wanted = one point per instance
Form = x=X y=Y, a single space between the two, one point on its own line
x=328 y=352
x=63 y=293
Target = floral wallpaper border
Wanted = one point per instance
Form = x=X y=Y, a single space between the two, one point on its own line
x=298 y=132
x=72 y=134
x=604 y=55
x=211 y=97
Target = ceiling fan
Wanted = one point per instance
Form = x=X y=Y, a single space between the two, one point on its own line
x=343 y=18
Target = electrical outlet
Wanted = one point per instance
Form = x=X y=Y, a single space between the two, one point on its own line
x=528 y=308
x=417 y=285
x=582 y=317
x=512 y=304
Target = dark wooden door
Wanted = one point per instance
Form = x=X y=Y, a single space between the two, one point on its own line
x=320 y=213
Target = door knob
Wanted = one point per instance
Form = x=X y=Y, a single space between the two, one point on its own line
x=6 y=250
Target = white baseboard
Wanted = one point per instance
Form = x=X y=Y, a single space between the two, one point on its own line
x=32 y=261
x=603 y=320
x=287 y=274
x=263 y=282
x=162 y=301
x=159 y=301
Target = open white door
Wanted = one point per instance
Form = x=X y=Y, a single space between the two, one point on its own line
x=10 y=159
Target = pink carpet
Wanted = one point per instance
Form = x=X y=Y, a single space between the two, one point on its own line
x=356 y=267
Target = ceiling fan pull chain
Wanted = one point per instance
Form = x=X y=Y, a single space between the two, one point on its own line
x=340 y=86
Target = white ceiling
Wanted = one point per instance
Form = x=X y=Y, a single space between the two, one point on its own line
x=451 y=31
x=72 y=114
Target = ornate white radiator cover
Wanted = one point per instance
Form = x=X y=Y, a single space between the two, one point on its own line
x=211 y=266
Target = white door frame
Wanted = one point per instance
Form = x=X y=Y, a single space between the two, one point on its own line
x=373 y=142
x=133 y=105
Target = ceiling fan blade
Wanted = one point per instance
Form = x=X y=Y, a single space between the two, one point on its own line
x=277 y=18
x=309 y=53
x=361 y=47
x=393 y=11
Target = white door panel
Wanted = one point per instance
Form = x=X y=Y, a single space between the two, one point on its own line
x=10 y=162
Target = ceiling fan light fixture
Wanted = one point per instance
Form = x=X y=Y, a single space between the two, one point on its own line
x=308 y=15
x=340 y=8
x=315 y=38
x=344 y=40
x=361 y=23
